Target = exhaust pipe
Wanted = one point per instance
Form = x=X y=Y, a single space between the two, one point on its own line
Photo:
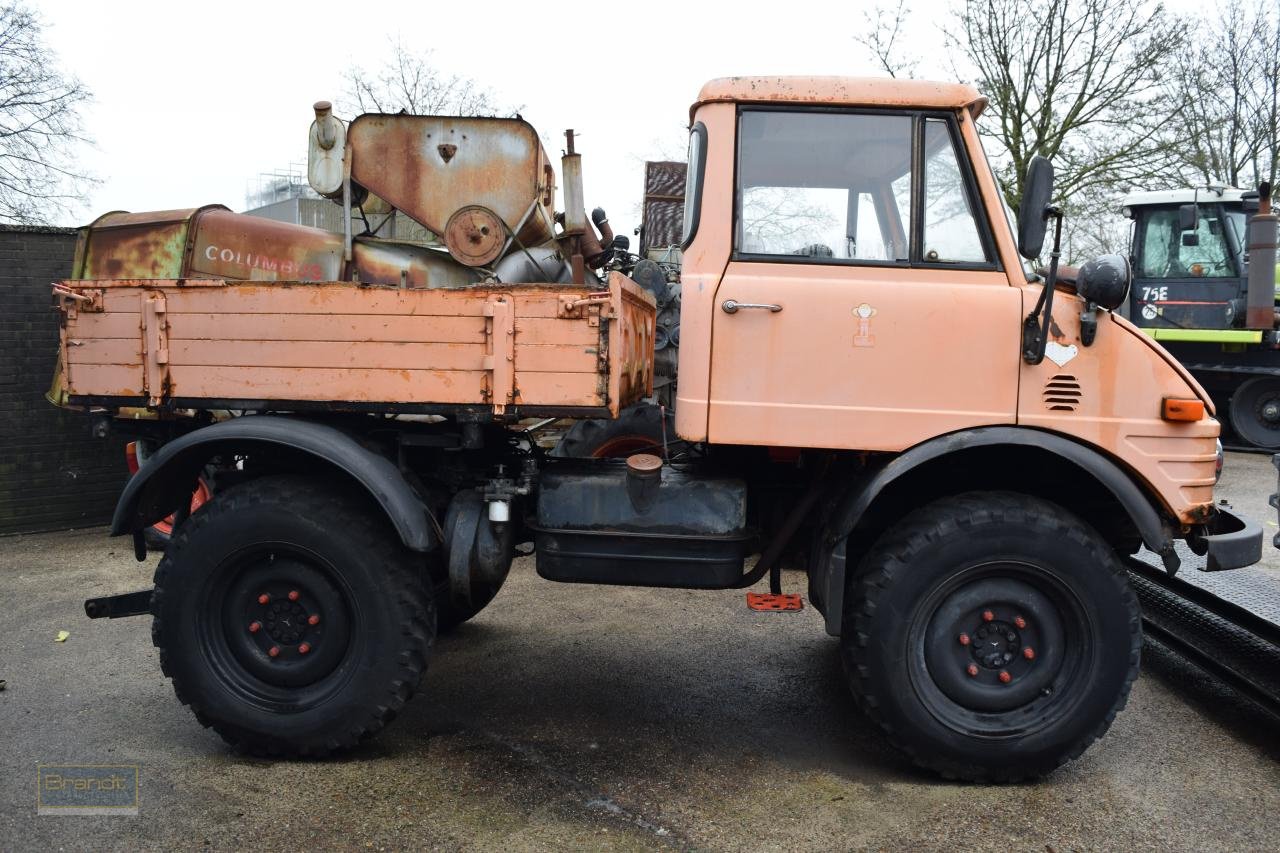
x=1260 y=311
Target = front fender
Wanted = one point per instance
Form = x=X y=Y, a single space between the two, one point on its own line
x=164 y=482
x=832 y=565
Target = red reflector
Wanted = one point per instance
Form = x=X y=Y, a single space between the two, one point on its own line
x=131 y=456
x=1173 y=409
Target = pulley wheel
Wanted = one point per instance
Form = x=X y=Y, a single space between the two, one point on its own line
x=475 y=236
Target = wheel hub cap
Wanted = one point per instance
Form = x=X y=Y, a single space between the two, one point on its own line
x=994 y=644
x=285 y=621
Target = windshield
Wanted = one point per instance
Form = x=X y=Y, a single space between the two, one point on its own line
x=1165 y=254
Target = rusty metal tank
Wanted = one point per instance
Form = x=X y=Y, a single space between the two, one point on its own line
x=213 y=242
x=205 y=242
x=477 y=182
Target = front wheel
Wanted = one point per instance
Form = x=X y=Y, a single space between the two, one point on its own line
x=993 y=636
x=290 y=618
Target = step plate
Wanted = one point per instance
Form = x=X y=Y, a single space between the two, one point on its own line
x=769 y=602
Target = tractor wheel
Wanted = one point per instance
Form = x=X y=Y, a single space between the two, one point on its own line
x=290 y=618
x=637 y=429
x=992 y=636
x=1255 y=412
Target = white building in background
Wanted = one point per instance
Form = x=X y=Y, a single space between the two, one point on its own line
x=285 y=196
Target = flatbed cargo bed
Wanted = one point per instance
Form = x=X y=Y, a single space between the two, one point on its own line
x=507 y=349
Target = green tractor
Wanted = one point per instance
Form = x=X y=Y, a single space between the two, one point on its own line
x=1193 y=292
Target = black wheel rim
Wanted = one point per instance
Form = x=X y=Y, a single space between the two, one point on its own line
x=1255 y=412
x=279 y=626
x=1001 y=649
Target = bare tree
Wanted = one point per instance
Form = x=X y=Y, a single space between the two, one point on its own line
x=410 y=82
x=40 y=124
x=1077 y=81
x=1227 y=83
x=882 y=34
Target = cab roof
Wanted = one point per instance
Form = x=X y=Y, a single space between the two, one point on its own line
x=1207 y=195
x=842 y=91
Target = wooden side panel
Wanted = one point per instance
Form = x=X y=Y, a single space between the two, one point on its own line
x=335 y=342
x=102 y=353
x=397 y=355
x=326 y=384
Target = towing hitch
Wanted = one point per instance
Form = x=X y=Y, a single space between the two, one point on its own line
x=117 y=606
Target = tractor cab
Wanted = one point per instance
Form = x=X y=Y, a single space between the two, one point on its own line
x=1188 y=259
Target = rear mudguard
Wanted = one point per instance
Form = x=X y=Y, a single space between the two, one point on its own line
x=165 y=481
x=827 y=577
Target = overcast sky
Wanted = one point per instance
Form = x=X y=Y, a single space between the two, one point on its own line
x=194 y=100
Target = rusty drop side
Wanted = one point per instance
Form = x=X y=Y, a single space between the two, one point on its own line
x=201 y=343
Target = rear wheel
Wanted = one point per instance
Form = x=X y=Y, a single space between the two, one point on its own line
x=290 y=617
x=993 y=636
x=1255 y=412
x=637 y=429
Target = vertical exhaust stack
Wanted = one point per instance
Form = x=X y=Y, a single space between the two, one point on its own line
x=575 y=213
x=1260 y=313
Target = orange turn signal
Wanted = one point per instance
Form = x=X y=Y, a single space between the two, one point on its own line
x=1173 y=409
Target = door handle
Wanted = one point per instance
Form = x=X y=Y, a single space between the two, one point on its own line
x=733 y=306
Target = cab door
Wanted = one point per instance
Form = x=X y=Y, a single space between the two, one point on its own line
x=863 y=306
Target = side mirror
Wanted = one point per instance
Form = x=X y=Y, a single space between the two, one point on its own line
x=1187 y=217
x=1105 y=281
x=1036 y=192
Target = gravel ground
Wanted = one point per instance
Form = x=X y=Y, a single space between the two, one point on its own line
x=594 y=717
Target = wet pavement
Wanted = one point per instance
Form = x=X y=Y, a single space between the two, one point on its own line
x=595 y=717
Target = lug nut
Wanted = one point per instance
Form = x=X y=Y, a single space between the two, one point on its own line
x=1029 y=653
x=1019 y=622
x=304 y=648
x=293 y=595
x=313 y=619
x=972 y=669
x=1005 y=677
x=255 y=627
x=264 y=599
x=964 y=639
x=988 y=616
x=274 y=651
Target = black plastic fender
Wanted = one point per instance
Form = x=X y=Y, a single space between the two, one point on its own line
x=163 y=483
x=833 y=563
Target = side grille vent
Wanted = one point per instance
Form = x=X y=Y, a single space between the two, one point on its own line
x=1062 y=393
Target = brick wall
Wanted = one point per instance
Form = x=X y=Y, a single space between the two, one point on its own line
x=52 y=473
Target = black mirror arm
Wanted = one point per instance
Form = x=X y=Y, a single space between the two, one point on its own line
x=1035 y=330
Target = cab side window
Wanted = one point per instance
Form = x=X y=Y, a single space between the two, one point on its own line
x=822 y=185
x=834 y=187
x=950 y=228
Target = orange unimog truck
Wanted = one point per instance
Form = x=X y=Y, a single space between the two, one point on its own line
x=963 y=457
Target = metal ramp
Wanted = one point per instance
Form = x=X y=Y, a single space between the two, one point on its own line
x=1226 y=623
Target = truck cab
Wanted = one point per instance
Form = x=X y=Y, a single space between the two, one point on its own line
x=962 y=458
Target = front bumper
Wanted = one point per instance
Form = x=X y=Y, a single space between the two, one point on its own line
x=1228 y=541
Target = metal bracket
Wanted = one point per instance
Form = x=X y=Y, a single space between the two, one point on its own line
x=500 y=361
x=593 y=306
x=71 y=301
x=155 y=347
